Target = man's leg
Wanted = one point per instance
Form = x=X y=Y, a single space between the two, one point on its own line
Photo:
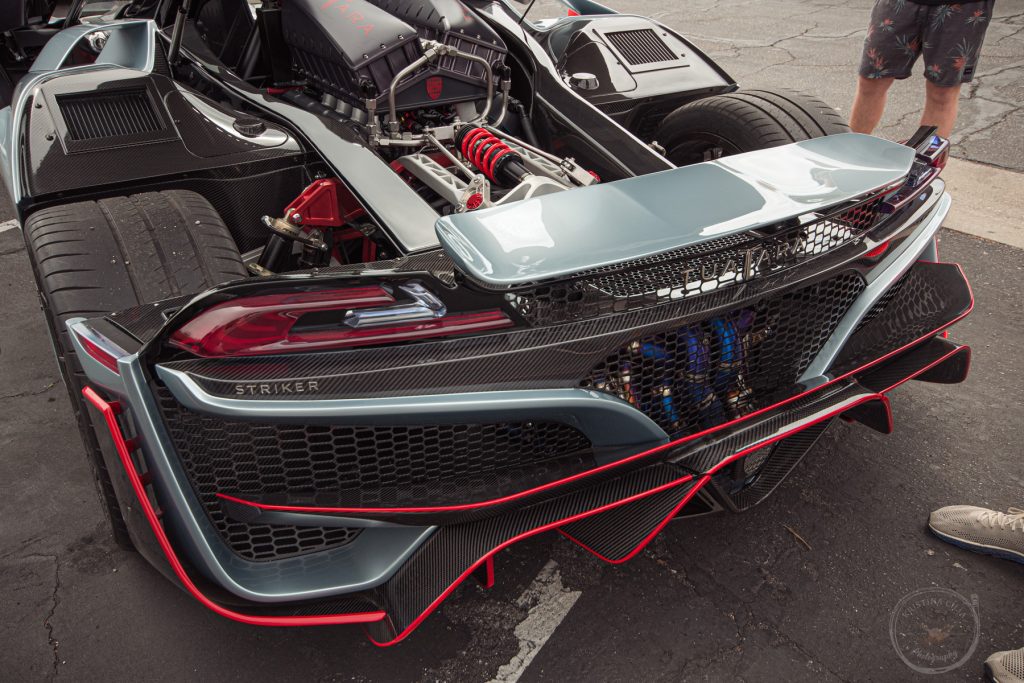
x=940 y=105
x=869 y=103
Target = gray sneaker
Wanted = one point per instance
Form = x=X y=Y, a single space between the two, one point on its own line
x=983 y=531
x=1006 y=667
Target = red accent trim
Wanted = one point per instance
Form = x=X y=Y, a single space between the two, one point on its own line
x=109 y=411
x=280 y=90
x=515 y=539
x=488 y=581
x=617 y=463
x=650 y=537
x=877 y=251
x=761 y=444
x=940 y=361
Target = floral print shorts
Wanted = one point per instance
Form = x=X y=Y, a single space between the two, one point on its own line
x=949 y=37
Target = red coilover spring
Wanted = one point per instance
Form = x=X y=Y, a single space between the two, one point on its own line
x=484 y=150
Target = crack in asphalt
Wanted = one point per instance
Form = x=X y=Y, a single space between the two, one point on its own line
x=55 y=598
x=663 y=557
x=27 y=393
x=965 y=136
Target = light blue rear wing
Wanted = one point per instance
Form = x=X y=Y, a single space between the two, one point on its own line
x=559 y=234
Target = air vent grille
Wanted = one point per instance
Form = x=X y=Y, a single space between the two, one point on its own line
x=92 y=116
x=641 y=46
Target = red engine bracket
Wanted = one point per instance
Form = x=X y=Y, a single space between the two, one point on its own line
x=326 y=203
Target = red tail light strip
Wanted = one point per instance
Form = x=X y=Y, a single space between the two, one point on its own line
x=97 y=346
x=266 y=324
x=259 y=325
x=100 y=355
x=109 y=412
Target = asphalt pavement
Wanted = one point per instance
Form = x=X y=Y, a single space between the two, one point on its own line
x=800 y=588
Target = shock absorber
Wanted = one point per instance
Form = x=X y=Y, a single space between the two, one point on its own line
x=496 y=160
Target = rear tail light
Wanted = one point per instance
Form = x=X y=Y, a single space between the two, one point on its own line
x=878 y=251
x=98 y=347
x=297 y=322
x=932 y=156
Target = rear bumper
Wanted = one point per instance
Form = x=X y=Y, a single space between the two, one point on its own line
x=408 y=558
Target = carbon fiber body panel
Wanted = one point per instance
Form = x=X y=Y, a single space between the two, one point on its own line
x=923 y=300
x=452 y=553
x=616 y=535
x=164 y=152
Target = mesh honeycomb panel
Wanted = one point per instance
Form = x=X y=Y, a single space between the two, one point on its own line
x=694 y=270
x=373 y=465
x=705 y=373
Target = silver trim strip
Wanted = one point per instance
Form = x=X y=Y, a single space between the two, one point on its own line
x=372 y=558
x=607 y=421
x=889 y=270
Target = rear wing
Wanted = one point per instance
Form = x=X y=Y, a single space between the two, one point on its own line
x=559 y=234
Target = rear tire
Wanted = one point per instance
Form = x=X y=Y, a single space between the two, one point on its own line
x=93 y=258
x=743 y=122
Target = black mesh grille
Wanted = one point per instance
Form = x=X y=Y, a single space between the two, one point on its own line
x=704 y=373
x=375 y=466
x=924 y=300
x=691 y=271
x=107 y=115
x=642 y=46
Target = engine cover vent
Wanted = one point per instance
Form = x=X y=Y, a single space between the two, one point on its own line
x=641 y=46
x=122 y=113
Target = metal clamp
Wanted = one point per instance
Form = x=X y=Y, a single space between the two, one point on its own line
x=425 y=306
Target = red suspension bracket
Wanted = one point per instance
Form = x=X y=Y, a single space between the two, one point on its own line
x=326 y=203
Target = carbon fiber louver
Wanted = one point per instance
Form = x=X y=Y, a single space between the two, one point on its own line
x=92 y=116
x=641 y=46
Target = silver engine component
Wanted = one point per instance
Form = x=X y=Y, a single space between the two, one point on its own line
x=458 y=192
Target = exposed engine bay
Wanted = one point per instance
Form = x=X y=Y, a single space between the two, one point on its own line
x=430 y=108
x=427 y=85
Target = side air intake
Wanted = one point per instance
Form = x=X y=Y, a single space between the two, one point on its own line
x=94 y=116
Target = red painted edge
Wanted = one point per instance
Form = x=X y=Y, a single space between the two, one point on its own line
x=879 y=396
x=650 y=537
x=109 y=412
x=940 y=361
x=617 y=463
x=515 y=539
x=489 y=579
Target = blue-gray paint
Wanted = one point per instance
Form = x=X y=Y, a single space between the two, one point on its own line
x=130 y=45
x=607 y=421
x=882 y=277
x=563 y=233
x=368 y=561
